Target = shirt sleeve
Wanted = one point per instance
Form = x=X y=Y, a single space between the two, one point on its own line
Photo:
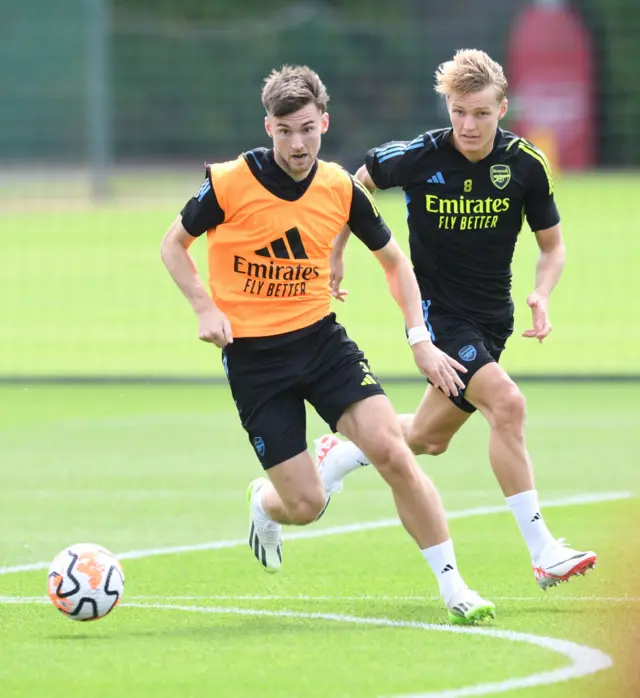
x=539 y=205
x=385 y=164
x=365 y=220
x=202 y=212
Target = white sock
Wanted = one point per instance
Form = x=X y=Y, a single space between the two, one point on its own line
x=256 y=504
x=526 y=509
x=339 y=462
x=442 y=560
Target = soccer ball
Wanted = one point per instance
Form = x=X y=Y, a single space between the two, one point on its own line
x=85 y=582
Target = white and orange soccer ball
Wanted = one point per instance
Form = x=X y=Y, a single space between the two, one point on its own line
x=85 y=582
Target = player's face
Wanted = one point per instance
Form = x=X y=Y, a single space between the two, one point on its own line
x=474 y=117
x=296 y=139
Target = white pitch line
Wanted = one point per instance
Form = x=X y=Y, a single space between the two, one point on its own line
x=584 y=660
x=368 y=597
x=363 y=597
x=575 y=500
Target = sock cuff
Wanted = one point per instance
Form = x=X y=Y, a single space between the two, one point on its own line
x=257 y=502
x=445 y=546
x=521 y=497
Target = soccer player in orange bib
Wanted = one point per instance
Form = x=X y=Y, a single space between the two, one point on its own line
x=271 y=217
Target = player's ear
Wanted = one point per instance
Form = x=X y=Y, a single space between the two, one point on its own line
x=267 y=126
x=324 y=123
x=503 y=108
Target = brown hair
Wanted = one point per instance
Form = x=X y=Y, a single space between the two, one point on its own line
x=470 y=71
x=291 y=88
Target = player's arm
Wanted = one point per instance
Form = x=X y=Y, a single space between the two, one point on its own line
x=336 y=264
x=340 y=243
x=402 y=283
x=403 y=287
x=551 y=259
x=548 y=272
x=199 y=215
x=367 y=224
x=543 y=218
x=363 y=176
x=174 y=252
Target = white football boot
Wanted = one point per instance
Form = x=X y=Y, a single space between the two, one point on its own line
x=265 y=535
x=558 y=563
x=467 y=607
x=334 y=466
x=323 y=446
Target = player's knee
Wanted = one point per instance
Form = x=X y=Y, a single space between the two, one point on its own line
x=426 y=445
x=306 y=508
x=510 y=408
x=392 y=458
x=435 y=448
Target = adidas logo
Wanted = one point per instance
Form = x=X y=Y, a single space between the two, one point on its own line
x=447 y=568
x=436 y=179
x=281 y=250
x=537 y=517
x=368 y=378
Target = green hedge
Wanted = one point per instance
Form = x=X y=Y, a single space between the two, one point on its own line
x=616 y=28
x=185 y=76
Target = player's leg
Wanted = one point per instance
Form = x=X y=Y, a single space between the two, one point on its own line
x=372 y=425
x=428 y=431
x=499 y=399
x=437 y=418
x=350 y=399
x=292 y=493
x=295 y=495
x=273 y=414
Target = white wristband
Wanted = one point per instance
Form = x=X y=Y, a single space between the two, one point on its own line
x=418 y=334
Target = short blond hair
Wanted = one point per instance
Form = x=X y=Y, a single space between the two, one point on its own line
x=470 y=71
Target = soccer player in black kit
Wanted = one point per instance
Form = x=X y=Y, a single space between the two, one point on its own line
x=468 y=190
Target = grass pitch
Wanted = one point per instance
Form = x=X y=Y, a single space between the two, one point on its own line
x=87 y=295
x=140 y=468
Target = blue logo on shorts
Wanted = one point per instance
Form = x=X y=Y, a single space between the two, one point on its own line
x=258 y=444
x=468 y=353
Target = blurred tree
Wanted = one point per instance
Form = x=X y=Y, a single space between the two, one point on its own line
x=616 y=26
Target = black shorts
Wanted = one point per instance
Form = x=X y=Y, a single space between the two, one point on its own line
x=473 y=344
x=271 y=377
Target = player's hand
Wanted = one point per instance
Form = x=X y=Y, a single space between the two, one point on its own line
x=339 y=294
x=214 y=327
x=541 y=326
x=438 y=367
x=336 y=274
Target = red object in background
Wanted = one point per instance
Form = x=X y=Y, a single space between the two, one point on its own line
x=551 y=83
